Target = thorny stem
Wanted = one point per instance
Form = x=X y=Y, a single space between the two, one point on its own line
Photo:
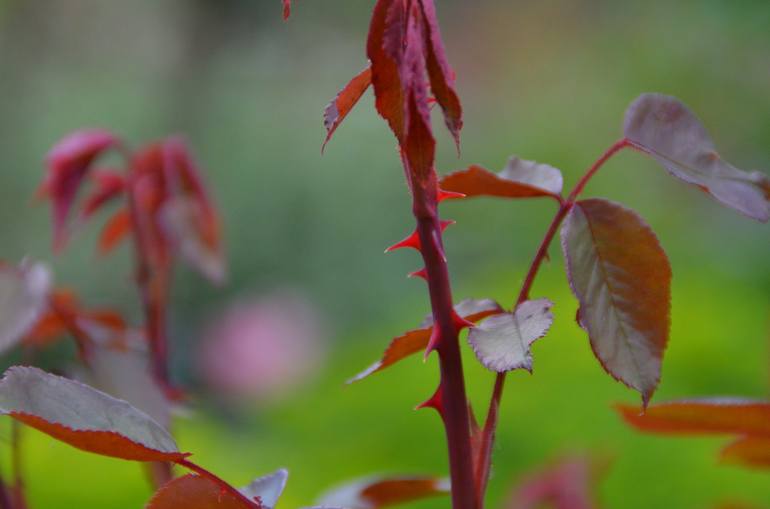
x=490 y=425
x=224 y=485
x=452 y=402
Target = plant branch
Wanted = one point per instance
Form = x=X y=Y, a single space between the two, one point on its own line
x=452 y=402
x=490 y=425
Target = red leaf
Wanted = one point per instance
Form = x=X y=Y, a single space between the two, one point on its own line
x=67 y=165
x=188 y=217
x=667 y=130
x=711 y=416
x=568 y=484
x=83 y=417
x=109 y=185
x=195 y=492
x=346 y=99
x=520 y=179
x=621 y=276
x=748 y=451
x=286 y=9
x=374 y=493
x=115 y=230
x=441 y=75
x=388 y=90
x=417 y=340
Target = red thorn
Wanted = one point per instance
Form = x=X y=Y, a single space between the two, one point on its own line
x=460 y=322
x=412 y=241
x=448 y=195
x=435 y=335
x=434 y=401
x=422 y=273
x=447 y=223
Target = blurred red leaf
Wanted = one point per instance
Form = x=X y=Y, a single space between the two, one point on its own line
x=67 y=163
x=83 y=417
x=109 y=185
x=621 y=276
x=374 y=493
x=286 y=9
x=195 y=492
x=114 y=231
x=344 y=102
x=751 y=451
x=744 y=417
x=417 y=340
x=519 y=179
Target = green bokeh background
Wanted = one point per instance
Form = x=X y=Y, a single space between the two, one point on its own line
x=546 y=80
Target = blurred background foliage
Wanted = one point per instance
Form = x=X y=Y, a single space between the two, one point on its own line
x=546 y=80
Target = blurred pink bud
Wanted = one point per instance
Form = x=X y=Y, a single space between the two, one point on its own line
x=261 y=349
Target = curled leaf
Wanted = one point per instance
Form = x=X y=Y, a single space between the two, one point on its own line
x=344 y=102
x=706 y=416
x=376 y=492
x=24 y=291
x=417 y=340
x=502 y=342
x=621 y=276
x=519 y=179
x=84 y=417
x=666 y=129
x=67 y=163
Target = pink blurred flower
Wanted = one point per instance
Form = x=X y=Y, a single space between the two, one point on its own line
x=260 y=349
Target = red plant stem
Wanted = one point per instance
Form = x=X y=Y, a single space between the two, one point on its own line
x=453 y=402
x=219 y=481
x=490 y=425
x=152 y=285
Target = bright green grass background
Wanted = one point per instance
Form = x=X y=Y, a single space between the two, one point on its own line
x=546 y=80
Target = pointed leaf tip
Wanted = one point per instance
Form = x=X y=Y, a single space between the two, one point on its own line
x=621 y=277
x=343 y=103
x=502 y=342
x=666 y=129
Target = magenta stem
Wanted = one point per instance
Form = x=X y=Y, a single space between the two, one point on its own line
x=490 y=425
